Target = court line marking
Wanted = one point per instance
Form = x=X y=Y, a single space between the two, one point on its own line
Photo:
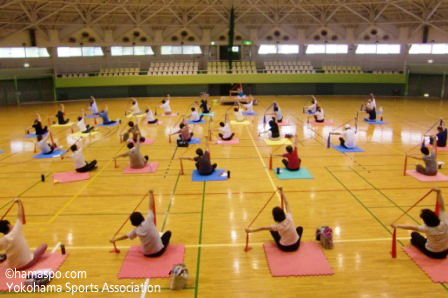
x=55 y=247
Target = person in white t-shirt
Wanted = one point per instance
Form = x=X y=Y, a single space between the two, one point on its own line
x=348 y=139
x=238 y=113
x=81 y=166
x=18 y=253
x=249 y=107
x=311 y=109
x=436 y=229
x=150 y=116
x=319 y=116
x=195 y=117
x=277 y=112
x=152 y=244
x=44 y=146
x=93 y=106
x=83 y=127
x=166 y=105
x=134 y=109
x=226 y=133
x=285 y=234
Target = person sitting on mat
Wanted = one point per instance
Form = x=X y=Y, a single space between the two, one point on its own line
x=429 y=158
x=285 y=234
x=104 y=115
x=226 y=133
x=238 y=113
x=152 y=244
x=249 y=107
x=277 y=112
x=319 y=116
x=441 y=135
x=203 y=163
x=195 y=117
x=204 y=106
x=273 y=128
x=134 y=109
x=166 y=105
x=136 y=159
x=150 y=116
x=60 y=115
x=83 y=128
x=18 y=253
x=313 y=107
x=370 y=110
x=93 y=106
x=435 y=245
x=348 y=139
x=292 y=161
x=184 y=133
x=38 y=126
x=133 y=130
x=44 y=146
x=81 y=166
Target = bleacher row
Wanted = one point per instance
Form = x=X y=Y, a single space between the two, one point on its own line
x=115 y=72
x=338 y=69
x=278 y=67
x=74 y=75
x=238 y=67
x=173 y=68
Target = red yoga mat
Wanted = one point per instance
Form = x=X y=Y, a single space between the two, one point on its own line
x=437 y=270
x=439 y=177
x=149 y=168
x=70 y=177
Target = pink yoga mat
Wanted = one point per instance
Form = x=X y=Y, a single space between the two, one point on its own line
x=441 y=148
x=439 y=177
x=284 y=123
x=233 y=141
x=330 y=122
x=148 y=142
x=149 y=168
x=70 y=177
x=136 y=265
x=308 y=260
x=48 y=261
x=172 y=114
x=437 y=270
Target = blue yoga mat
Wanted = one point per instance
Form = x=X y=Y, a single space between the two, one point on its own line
x=375 y=121
x=55 y=153
x=215 y=176
x=345 y=150
x=113 y=124
x=286 y=174
x=249 y=113
x=2 y=151
x=33 y=135
x=197 y=122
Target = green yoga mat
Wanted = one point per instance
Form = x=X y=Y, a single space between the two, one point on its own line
x=293 y=175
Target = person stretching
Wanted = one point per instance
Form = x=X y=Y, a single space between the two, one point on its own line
x=429 y=158
x=152 y=244
x=83 y=128
x=435 y=245
x=60 y=115
x=348 y=138
x=134 y=109
x=226 y=133
x=273 y=128
x=38 y=126
x=285 y=234
x=313 y=107
x=292 y=160
x=18 y=253
x=441 y=135
x=195 y=117
x=319 y=116
x=104 y=115
x=136 y=159
x=150 y=116
x=133 y=130
x=184 y=133
x=44 y=146
x=204 y=106
x=238 y=113
x=93 y=106
x=166 y=105
x=81 y=165
x=203 y=163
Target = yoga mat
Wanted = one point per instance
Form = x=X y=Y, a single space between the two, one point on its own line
x=308 y=260
x=375 y=121
x=345 y=150
x=67 y=177
x=283 y=141
x=286 y=174
x=440 y=148
x=33 y=135
x=62 y=125
x=113 y=124
x=55 y=153
x=284 y=123
x=249 y=113
x=215 y=176
x=48 y=261
x=92 y=116
x=153 y=124
x=195 y=141
x=232 y=141
x=208 y=114
x=148 y=168
x=80 y=134
x=199 y=122
x=170 y=115
x=436 y=270
x=136 y=265
x=234 y=122
x=138 y=116
x=439 y=177
x=2 y=151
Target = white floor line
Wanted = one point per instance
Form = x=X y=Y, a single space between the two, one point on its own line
x=55 y=247
x=146 y=286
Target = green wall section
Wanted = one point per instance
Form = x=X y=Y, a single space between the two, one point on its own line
x=230 y=79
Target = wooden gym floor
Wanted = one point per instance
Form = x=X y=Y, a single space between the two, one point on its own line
x=358 y=195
